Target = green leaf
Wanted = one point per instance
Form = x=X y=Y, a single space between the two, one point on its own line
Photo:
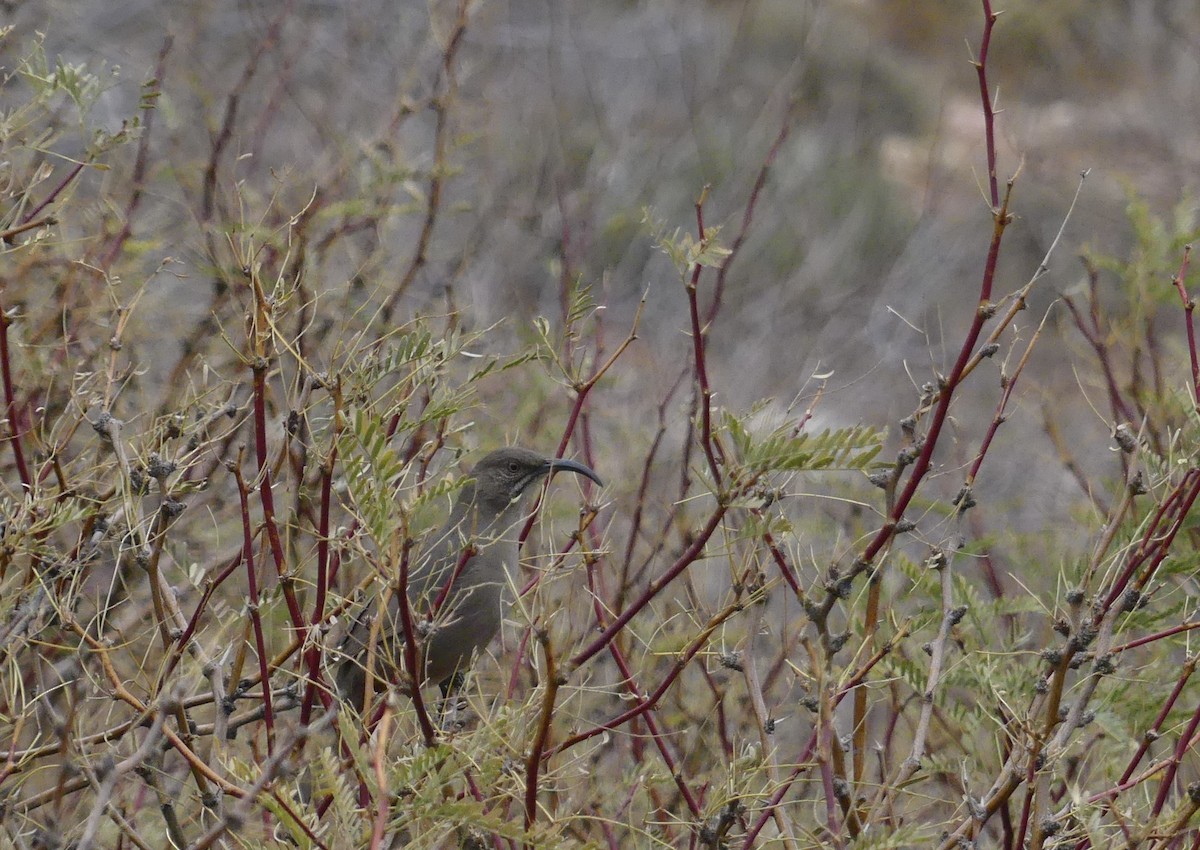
x=785 y=450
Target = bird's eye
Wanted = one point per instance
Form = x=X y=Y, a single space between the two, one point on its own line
x=513 y=466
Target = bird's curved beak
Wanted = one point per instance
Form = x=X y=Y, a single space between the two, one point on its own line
x=562 y=465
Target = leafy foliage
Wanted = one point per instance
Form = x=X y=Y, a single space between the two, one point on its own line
x=788 y=449
x=200 y=482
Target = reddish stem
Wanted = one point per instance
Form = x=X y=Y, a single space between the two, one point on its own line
x=989 y=112
x=10 y=404
x=802 y=763
x=469 y=551
x=1181 y=750
x=649 y=702
x=1189 y=306
x=949 y=385
x=138 y=178
x=648 y=716
x=538 y=748
x=689 y=556
x=748 y=214
x=698 y=332
x=1152 y=733
x=1009 y=382
x=1097 y=341
x=253 y=604
x=313 y=653
x=414 y=661
x=1151 y=638
x=54 y=193
x=1155 y=546
x=266 y=494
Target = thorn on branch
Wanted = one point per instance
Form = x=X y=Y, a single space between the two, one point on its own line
x=159 y=468
x=1125 y=437
x=172 y=508
x=1132 y=600
x=1053 y=657
x=881 y=478
x=1084 y=638
x=843 y=587
x=107 y=427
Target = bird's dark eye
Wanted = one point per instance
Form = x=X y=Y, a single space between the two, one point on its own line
x=513 y=466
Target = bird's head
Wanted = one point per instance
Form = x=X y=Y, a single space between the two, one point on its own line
x=502 y=476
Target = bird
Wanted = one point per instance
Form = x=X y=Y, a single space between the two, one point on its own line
x=473 y=554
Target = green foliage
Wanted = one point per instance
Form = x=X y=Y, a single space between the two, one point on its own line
x=119 y=607
x=374 y=473
x=73 y=80
x=416 y=382
x=31 y=125
x=789 y=449
x=892 y=839
x=1145 y=274
x=684 y=249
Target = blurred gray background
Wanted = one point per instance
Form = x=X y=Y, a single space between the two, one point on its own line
x=568 y=118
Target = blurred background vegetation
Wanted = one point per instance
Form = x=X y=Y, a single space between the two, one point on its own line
x=569 y=117
x=437 y=176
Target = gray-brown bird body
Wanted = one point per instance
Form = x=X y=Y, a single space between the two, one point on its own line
x=486 y=521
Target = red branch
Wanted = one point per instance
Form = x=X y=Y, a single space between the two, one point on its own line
x=10 y=404
x=414 y=659
x=989 y=111
x=260 y=644
x=266 y=494
x=689 y=556
x=313 y=653
x=698 y=333
x=1189 y=306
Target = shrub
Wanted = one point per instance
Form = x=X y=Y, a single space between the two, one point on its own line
x=202 y=483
